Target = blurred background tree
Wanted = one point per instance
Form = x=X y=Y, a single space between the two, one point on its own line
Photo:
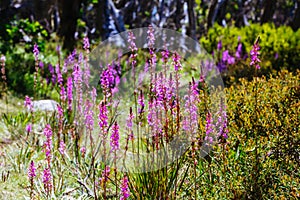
x=49 y=23
x=70 y=19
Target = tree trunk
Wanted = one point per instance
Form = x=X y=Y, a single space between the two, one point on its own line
x=269 y=9
x=296 y=20
x=211 y=12
x=102 y=18
x=178 y=14
x=192 y=19
x=69 y=12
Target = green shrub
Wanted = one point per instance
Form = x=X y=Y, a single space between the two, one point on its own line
x=17 y=45
x=280 y=47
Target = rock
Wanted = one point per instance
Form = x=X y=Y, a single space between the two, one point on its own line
x=44 y=105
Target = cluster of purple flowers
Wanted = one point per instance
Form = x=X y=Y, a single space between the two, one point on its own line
x=254 y=53
x=209 y=130
x=47 y=180
x=36 y=51
x=31 y=171
x=48 y=143
x=190 y=121
x=105 y=175
x=176 y=61
x=28 y=104
x=103 y=116
x=86 y=43
x=114 y=138
x=125 y=193
x=227 y=59
x=129 y=123
x=89 y=115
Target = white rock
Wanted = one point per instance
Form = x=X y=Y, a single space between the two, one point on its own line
x=44 y=105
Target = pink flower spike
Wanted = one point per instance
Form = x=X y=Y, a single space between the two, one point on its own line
x=28 y=103
x=114 y=138
x=28 y=128
x=47 y=178
x=35 y=51
x=86 y=43
x=254 y=53
x=62 y=147
x=125 y=193
x=31 y=171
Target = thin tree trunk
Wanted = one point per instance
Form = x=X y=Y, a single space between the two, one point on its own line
x=69 y=12
x=178 y=14
x=192 y=19
x=269 y=9
x=102 y=18
x=296 y=21
x=211 y=12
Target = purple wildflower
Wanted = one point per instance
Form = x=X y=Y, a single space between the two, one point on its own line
x=41 y=65
x=105 y=174
x=83 y=151
x=129 y=124
x=107 y=79
x=94 y=94
x=28 y=128
x=165 y=55
x=62 y=93
x=222 y=123
x=70 y=92
x=209 y=129
x=48 y=131
x=151 y=42
x=125 y=193
x=47 y=179
x=60 y=112
x=58 y=48
x=77 y=76
x=103 y=118
x=190 y=121
x=53 y=78
x=89 y=115
x=222 y=66
x=59 y=76
x=141 y=103
x=153 y=120
x=219 y=46
x=48 y=143
x=276 y=56
x=86 y=43
x=238 y=53
x=132 y=47
x=176 y=61
x=62 y=147
x=28 y=104
x=31 y=171
x=226 y=57
x=86 y=75
x=131 y=41
x=36 y=51
x=114 y=138
x=150 y=37
x=254 y=55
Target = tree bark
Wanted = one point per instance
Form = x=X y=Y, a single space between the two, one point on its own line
x=269 y=9
x=69 y=12
x=296 y=20
x=211 y=12
x=192 y=19
x=102 y=18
